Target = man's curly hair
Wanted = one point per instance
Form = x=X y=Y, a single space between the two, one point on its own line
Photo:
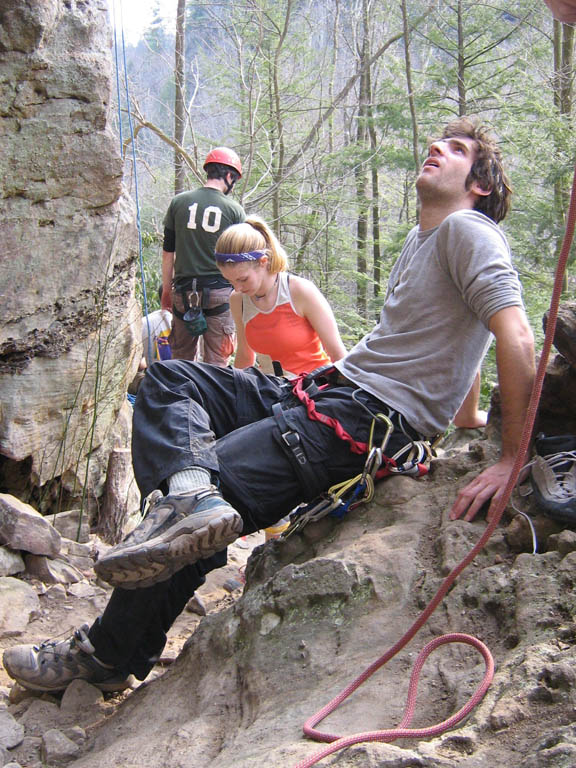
x=487 y=170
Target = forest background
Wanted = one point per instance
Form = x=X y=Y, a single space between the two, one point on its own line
x=330 y=104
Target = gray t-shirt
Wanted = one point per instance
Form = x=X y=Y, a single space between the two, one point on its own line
x=423 y=355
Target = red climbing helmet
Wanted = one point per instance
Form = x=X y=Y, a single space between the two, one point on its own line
x=224 y=156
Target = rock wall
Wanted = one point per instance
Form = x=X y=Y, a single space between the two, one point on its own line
x=557 y=408
x=322 y=606
x=70 y=322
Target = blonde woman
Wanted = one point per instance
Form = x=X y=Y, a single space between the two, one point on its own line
x=275 y=313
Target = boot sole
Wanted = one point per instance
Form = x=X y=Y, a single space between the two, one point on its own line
x=154 y=561
x=105 y=687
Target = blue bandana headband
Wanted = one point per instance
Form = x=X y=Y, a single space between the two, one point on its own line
x=236 y=257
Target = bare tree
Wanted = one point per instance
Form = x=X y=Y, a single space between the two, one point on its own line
x=563 y=87
x=362 y=137
x=179 y=101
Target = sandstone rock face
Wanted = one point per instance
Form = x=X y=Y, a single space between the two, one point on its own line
x=320 y=607
x=69 y=321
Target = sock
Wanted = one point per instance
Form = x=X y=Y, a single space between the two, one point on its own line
x=188 y=480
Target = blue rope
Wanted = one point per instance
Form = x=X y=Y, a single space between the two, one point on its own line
x=136 y=195
x=117 y=83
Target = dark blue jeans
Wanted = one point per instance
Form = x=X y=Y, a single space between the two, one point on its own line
x=193 y=414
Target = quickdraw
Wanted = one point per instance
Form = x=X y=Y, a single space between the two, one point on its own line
x=345 y=496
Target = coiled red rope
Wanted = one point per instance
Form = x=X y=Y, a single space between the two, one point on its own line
x=391 y=735
x=403 y=731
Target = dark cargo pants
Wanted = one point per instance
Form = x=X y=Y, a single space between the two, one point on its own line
x=194 y=414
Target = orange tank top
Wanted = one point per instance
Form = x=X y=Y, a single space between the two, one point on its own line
x=283 y=334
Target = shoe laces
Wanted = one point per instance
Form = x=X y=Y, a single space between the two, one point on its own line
x=562 y=464
x=79 y=639
x=150 y=501
x=524 y=489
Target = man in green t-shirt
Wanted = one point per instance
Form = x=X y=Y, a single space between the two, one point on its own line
x=190 y=277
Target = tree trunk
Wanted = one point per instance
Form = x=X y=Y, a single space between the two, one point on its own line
x=462 y=104
x=563 y=96
x=115 y=511
x=361 y=181
x=277 y=119
x=375 y=194
x=179 y=107
x=410 y=87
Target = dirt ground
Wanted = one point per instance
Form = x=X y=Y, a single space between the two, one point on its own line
x=400 y=538
x=63 y=609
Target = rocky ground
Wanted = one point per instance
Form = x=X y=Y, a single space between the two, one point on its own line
x=63 y=608
x=46 y=729
x=315 y=611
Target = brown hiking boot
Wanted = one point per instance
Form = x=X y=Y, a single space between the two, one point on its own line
x=52 y=666
x=178 y=530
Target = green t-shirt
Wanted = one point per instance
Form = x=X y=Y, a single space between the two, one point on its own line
x=198 y=218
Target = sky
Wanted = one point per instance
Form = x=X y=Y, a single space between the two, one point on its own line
x=136 y=15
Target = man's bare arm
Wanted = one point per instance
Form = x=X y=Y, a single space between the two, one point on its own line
x=515 y=361
x=469 y=415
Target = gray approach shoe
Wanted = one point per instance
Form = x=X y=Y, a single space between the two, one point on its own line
x=553 y=477
x=52 y=666
x=178 y=530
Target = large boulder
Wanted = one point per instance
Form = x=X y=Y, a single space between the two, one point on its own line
x=70 y=322
x=321 y=606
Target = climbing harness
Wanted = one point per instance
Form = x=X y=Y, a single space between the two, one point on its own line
x=306 y=386
x=309 y=728
x=341 y=498
x=411 y=459
x=195 y=298
x=349 y=494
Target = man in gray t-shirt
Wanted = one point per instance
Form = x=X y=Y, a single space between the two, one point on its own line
x=452 y=288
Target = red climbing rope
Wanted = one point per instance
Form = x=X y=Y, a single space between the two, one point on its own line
x=341 y=742
x=403 y=731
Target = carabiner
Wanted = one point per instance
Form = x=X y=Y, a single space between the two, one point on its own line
x=375 y=455
x=389 y=430
x=372 y=464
